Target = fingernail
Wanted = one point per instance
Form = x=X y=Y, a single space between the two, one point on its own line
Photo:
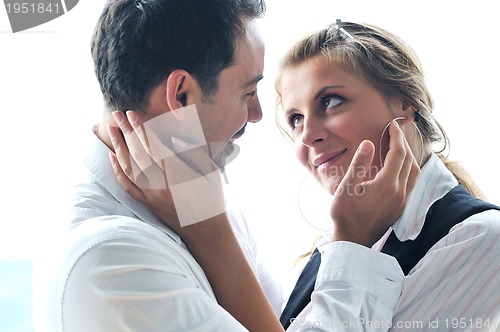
x=118 y=116
x=364 y=149
x=178 y=143
x=132 y=117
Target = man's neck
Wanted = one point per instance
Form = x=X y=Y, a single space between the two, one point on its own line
x=101 y=129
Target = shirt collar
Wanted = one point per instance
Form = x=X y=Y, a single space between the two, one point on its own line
x=99 y=167
x=434 y=182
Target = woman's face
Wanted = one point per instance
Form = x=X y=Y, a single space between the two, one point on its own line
x=329 y=112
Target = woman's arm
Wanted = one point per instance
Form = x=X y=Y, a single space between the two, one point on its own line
x=212 y=241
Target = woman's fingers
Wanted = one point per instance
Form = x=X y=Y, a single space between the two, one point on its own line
x=363 y=217
x=196 y=157
x=184 y=186
x=124 y=180
x=411 y=169
x=122 y=155
x=139 y=158
x=359 y=167
x=150 y=142
x=400 y=171
x=147 y=149
x=409 y=172
x=396 y=155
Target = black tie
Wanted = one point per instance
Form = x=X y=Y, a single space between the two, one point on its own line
x=301 y=294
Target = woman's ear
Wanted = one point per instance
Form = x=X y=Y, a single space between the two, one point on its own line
x=406 y=112
x=179 y=86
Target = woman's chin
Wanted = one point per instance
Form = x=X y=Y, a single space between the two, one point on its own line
x=331 y=185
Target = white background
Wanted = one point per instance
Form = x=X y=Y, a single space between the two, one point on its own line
x=49 y=98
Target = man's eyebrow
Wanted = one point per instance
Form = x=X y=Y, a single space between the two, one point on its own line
x=254 y=80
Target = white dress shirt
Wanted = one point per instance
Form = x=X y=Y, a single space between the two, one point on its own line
x=119 y=268
x=455 y=287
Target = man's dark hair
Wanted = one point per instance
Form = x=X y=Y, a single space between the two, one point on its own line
x=138 y=43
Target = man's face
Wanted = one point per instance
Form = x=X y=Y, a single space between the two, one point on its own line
x=235 y=102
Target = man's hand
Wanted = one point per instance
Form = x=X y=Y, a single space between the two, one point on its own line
x=364 y=215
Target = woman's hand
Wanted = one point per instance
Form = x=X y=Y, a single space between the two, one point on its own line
x=181 y=184
x=362 y=211
x=183 y=189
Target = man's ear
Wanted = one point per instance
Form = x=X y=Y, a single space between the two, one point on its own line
x=179 y=86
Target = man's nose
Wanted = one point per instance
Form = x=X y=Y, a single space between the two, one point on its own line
x=254 y=110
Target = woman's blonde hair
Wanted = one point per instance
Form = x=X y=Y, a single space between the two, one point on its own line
x=390 y=65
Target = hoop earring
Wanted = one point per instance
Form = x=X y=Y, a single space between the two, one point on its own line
x=300 y=192
x=419 y=134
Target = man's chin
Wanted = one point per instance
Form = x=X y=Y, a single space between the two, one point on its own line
x=225 y=153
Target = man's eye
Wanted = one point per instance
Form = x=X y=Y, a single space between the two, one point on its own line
x=253 y=93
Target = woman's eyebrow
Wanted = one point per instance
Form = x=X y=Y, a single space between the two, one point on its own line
x=322 y=90
x=291 y=110
x=318 y=95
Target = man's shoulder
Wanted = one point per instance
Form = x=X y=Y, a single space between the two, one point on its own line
x=92 y=231
x=110 y=255
x=108 y=242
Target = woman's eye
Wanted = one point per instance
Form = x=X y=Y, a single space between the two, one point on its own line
x=294 y=120
x=331 y=101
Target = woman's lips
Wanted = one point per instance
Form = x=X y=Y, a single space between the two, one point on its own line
x=326 y=160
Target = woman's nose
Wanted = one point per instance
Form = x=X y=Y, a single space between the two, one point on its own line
x=313 y=131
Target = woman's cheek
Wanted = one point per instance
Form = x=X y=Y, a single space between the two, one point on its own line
x=301 y=153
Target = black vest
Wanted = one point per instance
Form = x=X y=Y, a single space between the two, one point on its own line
x=456 y=206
